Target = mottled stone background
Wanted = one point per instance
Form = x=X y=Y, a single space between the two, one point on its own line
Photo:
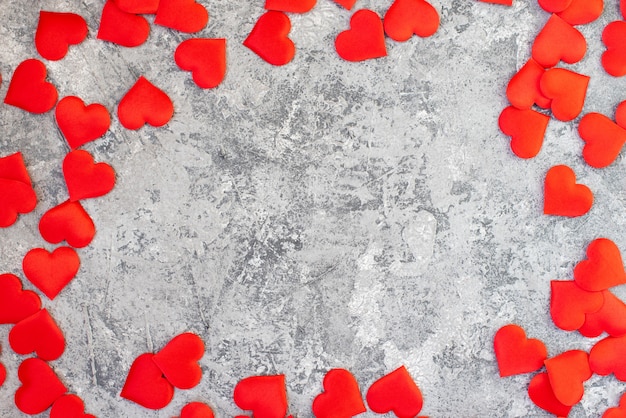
x=318 y=215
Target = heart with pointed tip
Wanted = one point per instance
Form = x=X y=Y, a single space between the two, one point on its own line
x=84 y=177
x=38 y=334
x=603 y=267
x=269 y=38
x=178 y=360
x=57 y=31
x=16 y=304
x=563 y=196
x=70 y=222
x=122 y=28
x=144 y=103
x=542 y=395
x=182 y=15
x=515 y=353
x=581 y=12
x=146 y=385
x=40 y=386
x=406 y=18
x=570 y=304
x=69 y=406
x=523 y=89
x=614 y=58
x=567 y=372
x=526 y=127
x=395 y=392
x=364 y=40
x=29 y=89
x=50 y=272
x=265 y=396
x=341 y=397
x=558 y=41
x=205 y=58
x=81 y=124
x=611 y=318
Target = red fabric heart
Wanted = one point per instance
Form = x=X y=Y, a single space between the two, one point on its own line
x=15 y=303
x=182 y=15
x=79 y=123
x=558 y=41
x=567 y=372
x=138 y=7
x=205 y=58
x=178 y=360
x=523 y=89
x=541 y=393
x=341 y=397
x=3 y=374
x=196 y=410
x=29 y=89
x=526 y=128
x=609 y=356
x=51 y=272
x=57 y=31
x=265 y=396
x=122 y=28
x=146 y=385
x=614 y=58
x=145 y=103
x=563 y=196
x=603 y=267
x=40 y=387
x=620 y=114
x=12 y=167
x=67 y=222
x=617 y=412
x=69 y=406
x=554 y=6
x=395 y=392
x=407 y=17
x=290 y=6
x=611 y=318
x=346 y=4
x=603 y=139
x=622 y=8
x=567 y=90
x=517 y=354
x=581 y=12
x=85 y=178
x=269 y=38
x=15 y=198
x=569 y=304
x=38 y=334
x=364 y=40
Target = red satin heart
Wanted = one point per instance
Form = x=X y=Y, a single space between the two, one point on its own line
x=79 y=123
x=85 y=178
x=581 y=12
x=15 y=303
x=567 y=372
x=563 y=196
x=51 y=272
x=364 y=40
x=12 y=167
x=269 y=38
x=526 y=128
x=178 y=360
x=265 y=396
x=146 y=385
x=29 y=89
x=567 y=90
x=15 y=198
x=617 y=412
x=69 y=406
x=122 y=28
x=3 y=373
x=346 y=4
x=182 y=15
x=341 y=397
x=517 y=354
x=622 y=8
x=145 y=103
x=603 y=139
x=558 y=41
x=40 y=387
x=395 y=392
x=138 y=7
x=290 y=6
x=611 y=318
x=614 y=58
x=205 y=58
x=620 y=114
x=603 y=267
x=569 y=304
x=523 y=89
x=407 y=17
x=38 y=334
x=67 y=222
x=609 y=356
x=57 y=31
x=554 y=6
x=541 y=393
x=196 y=410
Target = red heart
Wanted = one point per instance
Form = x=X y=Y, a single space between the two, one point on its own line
x=620 y=114
x=69 y=406
x=196 y=410
x=3 y=374
x=15 y=198
x=16 y=304
x=567 y=90
x=554 y=6
x=182 y=15
x=407 y=17
x=558 y=41
x=79 y=123
x=38 y=334
x=269 y=38
x=138 y=7
x=569 y=304
x=517 y=354
x=145 y=103
x=51 y=272
x=364 y=40
x=603 y=267
x=122 y=28
x=609 y=356
x=40 y=386
x=541 y=393
x=265 y=396
x=346 y=4
x=611 y=318
x=523 y=89
x=567 y=372
x=603 y=139
x=622 y=8
x=395 y=392
x=581 y=12
x=526 y=128
x=563 y=196
x=12 y=167
x=290 y=6
x=68 y=221
x=614 y=58
x=57 y=31
x=29 y=89
x=205 y=58
x=178 y=360
x=341 y=397
x=146 y=385
x=84 y=178
x=617 y=412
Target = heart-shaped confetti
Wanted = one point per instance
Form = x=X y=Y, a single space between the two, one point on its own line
x=554 y=6
x=79 y=123
x=269 y=38
x=567 y=90
x=603 y=138
x=558 y=41
x=603 y=267
x=526 y=127
x=205 y=58
x=516 y=353
x=3 y=372
x=408 y=17
x=563 y=196
x=50 y=272
x=609 y=356
x=364 y=40
x=567 y=372
x=178 y=360
x=138 y=7
x=569 y=304
x=542 y=395
x=15 y=198
x=523 y=89
x=395 y=392
x=29 y=89
x=617 y=412
x=265 y=396
x=70 y=222
x=196 y=410
x=12 y=167
x=40 y=387
x=581 y=12
x=69 y=406
x=182 y=15
x=85 y=178
x=38 y=334
x=145 y=103
x=122 y=28
x=290 y=6
x=614 y=58
x=57 y=31
x=341 y=397
x=16 y=304
x=146 y=385
x=611 y=318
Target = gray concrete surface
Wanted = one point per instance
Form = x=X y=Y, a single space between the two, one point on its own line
x=322 y=214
